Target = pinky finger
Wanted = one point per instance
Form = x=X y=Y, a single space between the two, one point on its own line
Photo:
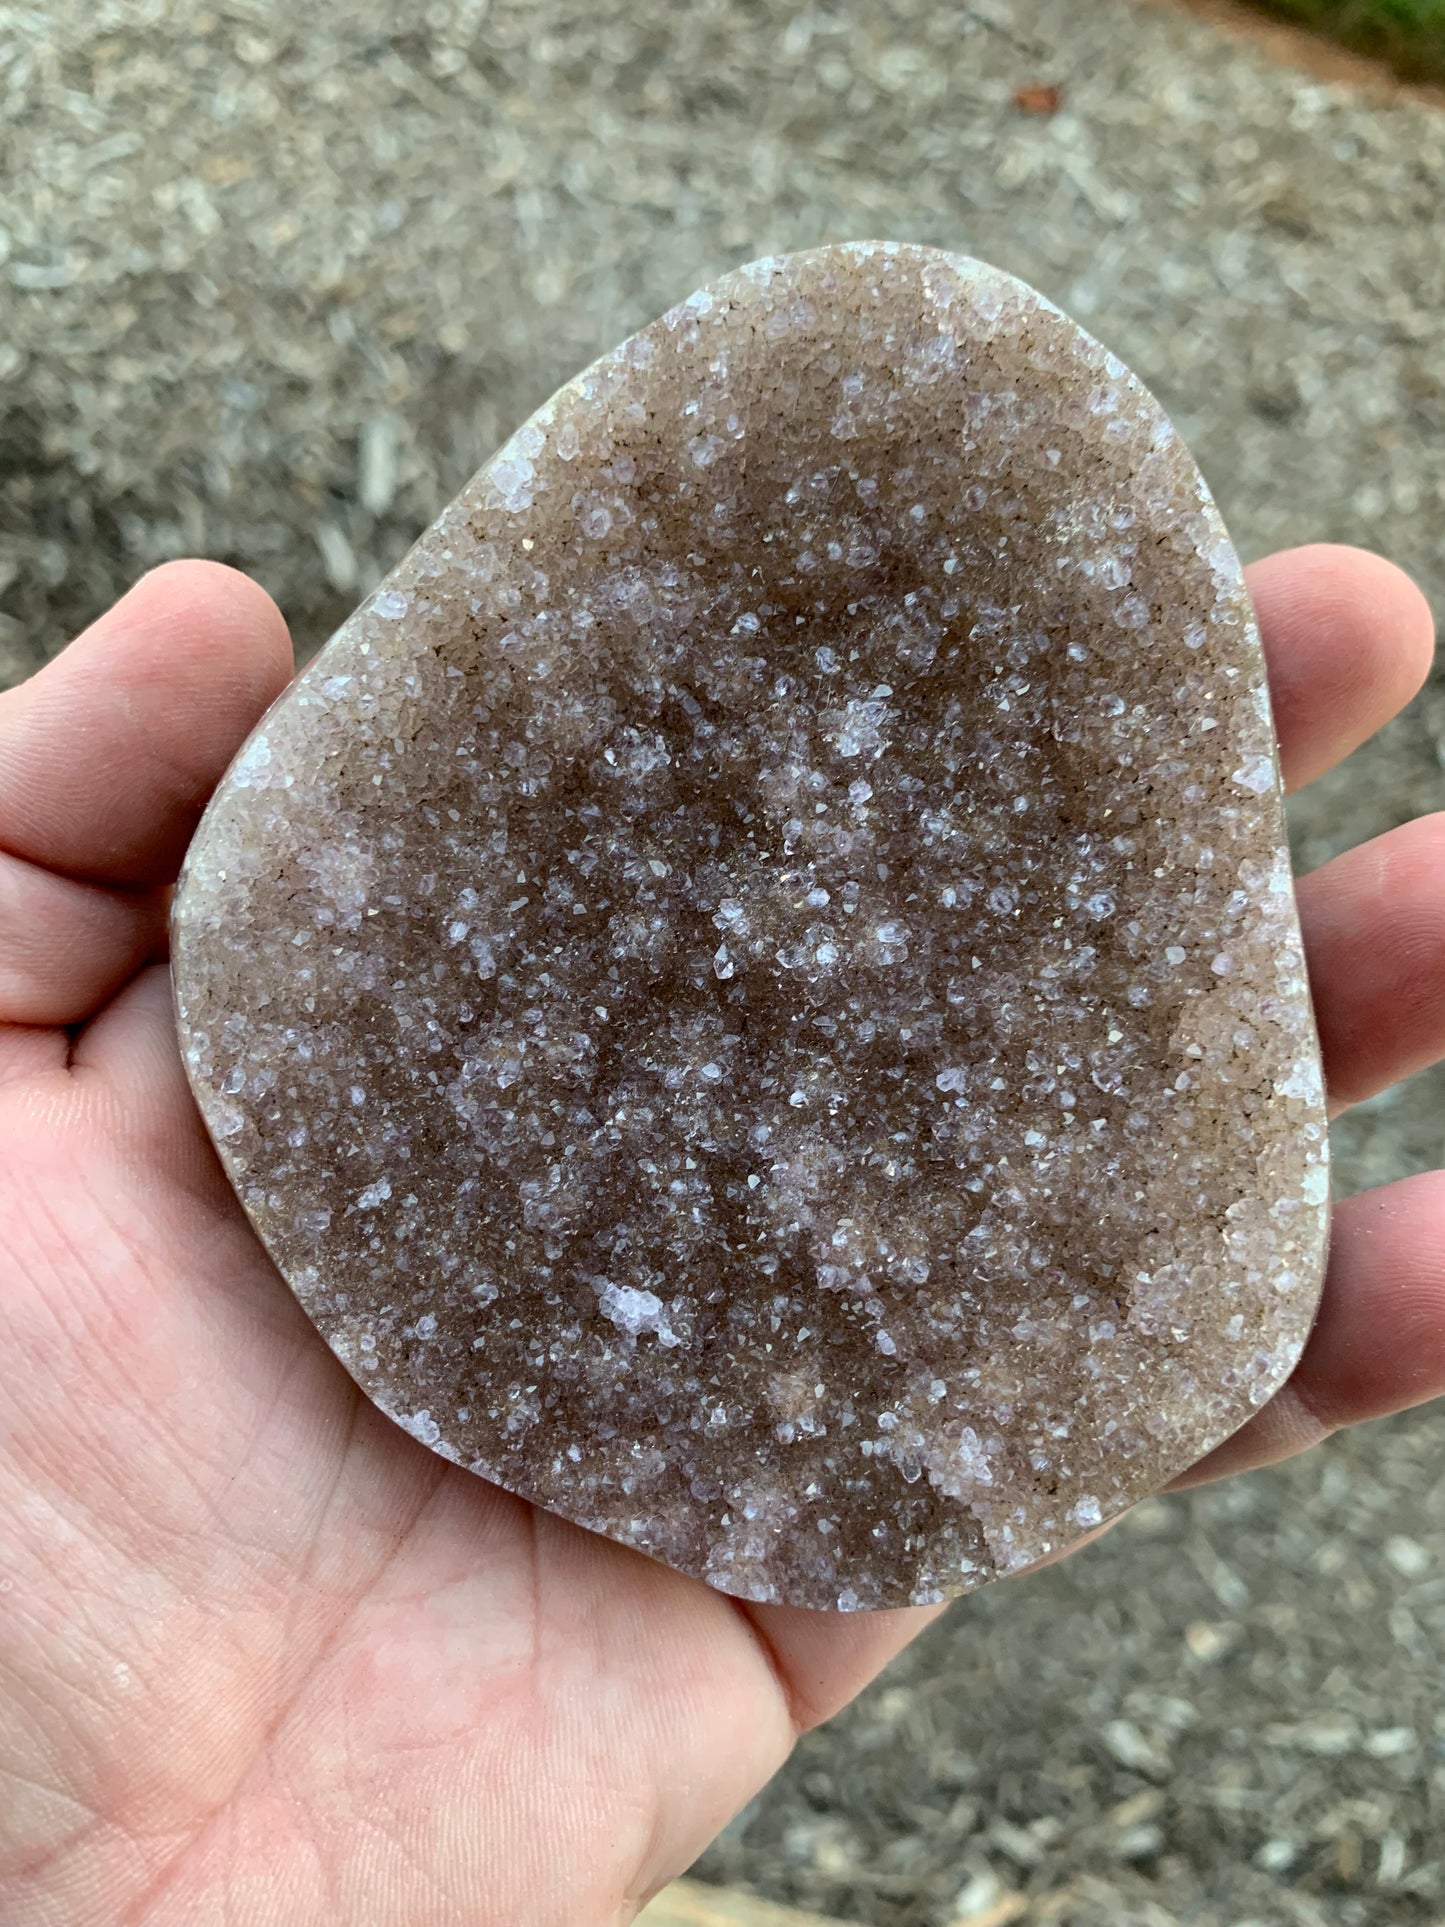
x=1378 y=1345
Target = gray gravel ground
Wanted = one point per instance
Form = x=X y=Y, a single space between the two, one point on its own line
x=269 y=290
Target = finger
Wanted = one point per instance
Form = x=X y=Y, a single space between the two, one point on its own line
x=1348 y=640
x=131 y=1042
x=108 y=755
x=1378 y=1345
x=128 y=1061
x=31 y=1055
x=1374 y=934
x=822 y=1660
x=67 y=946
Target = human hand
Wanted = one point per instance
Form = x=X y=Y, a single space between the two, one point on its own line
x=265 y=1659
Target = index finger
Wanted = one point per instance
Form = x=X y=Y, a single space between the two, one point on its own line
x=1348 y=640
x=108 y=755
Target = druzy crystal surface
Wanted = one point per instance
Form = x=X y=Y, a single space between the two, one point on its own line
x=753 y=989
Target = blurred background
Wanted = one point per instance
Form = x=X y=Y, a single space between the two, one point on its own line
x=274 y=281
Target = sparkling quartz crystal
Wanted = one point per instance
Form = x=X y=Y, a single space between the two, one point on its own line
x=753 y=989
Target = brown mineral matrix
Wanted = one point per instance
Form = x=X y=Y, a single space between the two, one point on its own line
x=753 y=990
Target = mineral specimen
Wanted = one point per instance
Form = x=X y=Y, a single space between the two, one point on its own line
x=753 y=989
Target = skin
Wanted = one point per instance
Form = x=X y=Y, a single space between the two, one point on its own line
x=263 y=1658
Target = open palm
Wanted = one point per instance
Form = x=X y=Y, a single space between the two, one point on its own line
x=263 y=1658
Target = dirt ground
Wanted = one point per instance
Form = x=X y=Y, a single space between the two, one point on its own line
x=269 y=292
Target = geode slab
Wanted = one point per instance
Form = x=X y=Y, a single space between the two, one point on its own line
x=753 y=990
